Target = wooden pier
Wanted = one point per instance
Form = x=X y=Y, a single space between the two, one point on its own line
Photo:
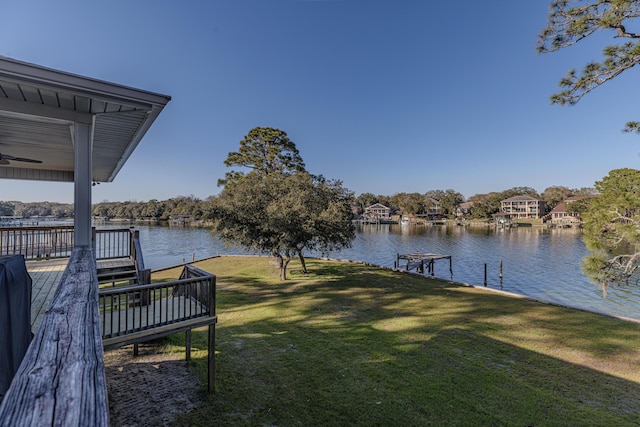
x=419 y=261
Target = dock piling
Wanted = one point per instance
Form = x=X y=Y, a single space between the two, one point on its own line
x=485 y=274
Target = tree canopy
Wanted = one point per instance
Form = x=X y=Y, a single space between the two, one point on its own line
x=266 y=151
x=449 y=200
x=556 y=194
x=278 y=207
x=6 y=208
x=612 y=227
x=571 y=21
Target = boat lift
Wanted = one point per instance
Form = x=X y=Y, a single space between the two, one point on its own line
x=418 y=261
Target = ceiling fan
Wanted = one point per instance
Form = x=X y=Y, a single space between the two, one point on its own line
x=6 y=158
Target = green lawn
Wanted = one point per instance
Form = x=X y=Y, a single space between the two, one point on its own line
x=350 y=344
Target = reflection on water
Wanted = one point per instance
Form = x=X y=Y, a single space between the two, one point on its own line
x=543 y=264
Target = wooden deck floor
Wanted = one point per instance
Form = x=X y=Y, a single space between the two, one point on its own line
x=46 y=276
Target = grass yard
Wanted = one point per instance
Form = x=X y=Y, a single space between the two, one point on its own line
x=350 y=344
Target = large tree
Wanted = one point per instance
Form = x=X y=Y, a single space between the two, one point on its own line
x=283 y=215
x=449 y=200
x=570 y=21
x=612 y=227
x=485 y=205
x=6 y=209
x=556 y=194
x=611 y=234
x=278 y=207
x=409 y=203
x=266 y=151
x=365 y=200
x=317 y=212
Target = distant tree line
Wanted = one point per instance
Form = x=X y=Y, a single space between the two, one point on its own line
x=484 y=205
x=151 y=210
x=28 y=210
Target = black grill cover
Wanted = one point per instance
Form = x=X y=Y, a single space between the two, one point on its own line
x=15 y=316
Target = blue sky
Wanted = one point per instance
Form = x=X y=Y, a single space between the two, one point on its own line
x=387 y=96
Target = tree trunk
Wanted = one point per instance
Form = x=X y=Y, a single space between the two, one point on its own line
x=283 y=263
x=304 y=264
x=283 y=267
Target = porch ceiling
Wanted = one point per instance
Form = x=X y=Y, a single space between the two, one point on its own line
x=39 y=106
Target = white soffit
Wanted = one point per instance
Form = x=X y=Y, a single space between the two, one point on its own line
x=38 y=107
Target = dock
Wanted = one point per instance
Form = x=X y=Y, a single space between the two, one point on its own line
x=418 y=262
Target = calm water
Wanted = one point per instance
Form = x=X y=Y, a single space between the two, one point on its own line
x=544 y=264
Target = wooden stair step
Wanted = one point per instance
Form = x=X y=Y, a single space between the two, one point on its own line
x=110 y=276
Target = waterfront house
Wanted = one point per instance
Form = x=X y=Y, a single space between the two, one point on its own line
x=560 y=217
x=433 y=207
x=378 y=211
x=57 y=126
x=464 y=209
x=522 y=207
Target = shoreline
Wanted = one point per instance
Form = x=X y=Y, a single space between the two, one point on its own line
x=464 y=284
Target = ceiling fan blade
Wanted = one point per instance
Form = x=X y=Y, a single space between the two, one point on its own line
x=23 y=159
x=4 y=159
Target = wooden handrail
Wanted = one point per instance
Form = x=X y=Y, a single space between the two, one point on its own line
x=137 y=313
x=122 y=312
x=45 y=242
x=143 y=274
x=61 y=380
x=37 y=242
x=113 y=243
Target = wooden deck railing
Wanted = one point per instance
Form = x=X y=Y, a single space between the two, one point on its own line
x=114 y=243
x=138 y=313
x=186 y=301
x=37 y=242
x=143 y=274
x=61 y=380
x=57 y=242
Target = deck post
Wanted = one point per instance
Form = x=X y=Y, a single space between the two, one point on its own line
x=187 y=344
x=211 y=380
x=144 y=278
x=82 y=146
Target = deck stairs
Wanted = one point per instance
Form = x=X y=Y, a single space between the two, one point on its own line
x=117 y=272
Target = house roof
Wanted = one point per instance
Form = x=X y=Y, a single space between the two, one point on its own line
x=377 y=206
x=521 y=197
x=38 y=107
x=560 y=207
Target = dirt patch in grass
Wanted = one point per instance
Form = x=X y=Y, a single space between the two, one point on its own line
x=150 y=389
